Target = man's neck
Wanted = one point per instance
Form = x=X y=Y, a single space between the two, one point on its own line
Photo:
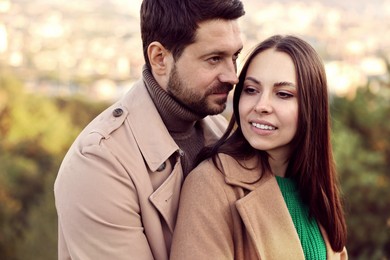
x=176 y=117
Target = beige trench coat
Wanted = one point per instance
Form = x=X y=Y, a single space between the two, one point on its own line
x=234 y=216
x=117 y=189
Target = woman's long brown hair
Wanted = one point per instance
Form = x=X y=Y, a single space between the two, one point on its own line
x=311 y=163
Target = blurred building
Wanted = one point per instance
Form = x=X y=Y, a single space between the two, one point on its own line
x=75 y=45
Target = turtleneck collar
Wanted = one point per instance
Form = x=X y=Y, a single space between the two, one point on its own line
x=176 y=117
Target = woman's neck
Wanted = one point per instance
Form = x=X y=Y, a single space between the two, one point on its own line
x=278 y=166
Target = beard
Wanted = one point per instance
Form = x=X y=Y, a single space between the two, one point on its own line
x=197 y=101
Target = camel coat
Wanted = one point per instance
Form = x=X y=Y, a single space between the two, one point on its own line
x=117 y=190
x=235 y=216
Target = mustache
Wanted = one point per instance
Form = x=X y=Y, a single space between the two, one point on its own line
x=221 y=88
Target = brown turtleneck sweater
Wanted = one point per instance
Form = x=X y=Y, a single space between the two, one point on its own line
x=181 y=122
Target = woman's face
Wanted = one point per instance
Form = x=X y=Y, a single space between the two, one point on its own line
x=268 y=105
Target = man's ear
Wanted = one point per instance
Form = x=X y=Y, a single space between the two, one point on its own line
x=160 y=59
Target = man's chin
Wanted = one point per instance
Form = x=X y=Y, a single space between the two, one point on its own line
x=212 y=107
x=217 y=109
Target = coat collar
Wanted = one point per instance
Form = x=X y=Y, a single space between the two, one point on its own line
x=245 y=174
x=152 y=136
x=265 y=214
x=157 y=145
x=263 y=210
x=268 y=222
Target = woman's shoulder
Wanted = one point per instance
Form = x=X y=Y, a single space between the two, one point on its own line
x=206 y=170
x=206 y=183
x=226 y=169
x=211 y=167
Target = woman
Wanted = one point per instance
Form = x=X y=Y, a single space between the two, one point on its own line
x=268 y=188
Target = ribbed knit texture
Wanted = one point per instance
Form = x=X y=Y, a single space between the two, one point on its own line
x=307 y=228
x=181 y=123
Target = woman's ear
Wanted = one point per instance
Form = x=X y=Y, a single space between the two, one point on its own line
x=160 y=59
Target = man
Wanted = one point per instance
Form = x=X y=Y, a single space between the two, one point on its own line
x=118 y=187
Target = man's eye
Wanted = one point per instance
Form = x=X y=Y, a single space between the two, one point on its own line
x=235 y=56
x=214 y=60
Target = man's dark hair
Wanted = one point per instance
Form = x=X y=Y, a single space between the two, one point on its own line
x=173 y=23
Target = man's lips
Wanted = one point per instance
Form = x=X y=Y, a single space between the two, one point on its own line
x=223 y=89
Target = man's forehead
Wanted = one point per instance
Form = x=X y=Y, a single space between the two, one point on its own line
x=218 y=35
x=217 y=26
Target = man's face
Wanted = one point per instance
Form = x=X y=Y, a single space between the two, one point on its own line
x=206 y=71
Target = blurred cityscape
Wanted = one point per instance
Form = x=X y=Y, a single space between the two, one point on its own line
x=93 y=47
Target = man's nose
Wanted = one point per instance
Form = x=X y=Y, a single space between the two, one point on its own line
x=229 y=74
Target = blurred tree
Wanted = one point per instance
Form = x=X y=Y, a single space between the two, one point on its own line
x=42 y=218
x=361 y=128
x=41 y=226
x=35 y=133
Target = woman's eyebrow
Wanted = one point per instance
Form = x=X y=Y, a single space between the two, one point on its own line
x=276 y=84
x=284 y=83
x=253 y=79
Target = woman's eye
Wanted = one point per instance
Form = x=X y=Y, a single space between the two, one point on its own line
x=250 y=90
x=284 y=95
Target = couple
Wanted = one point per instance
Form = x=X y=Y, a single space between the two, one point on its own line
x=262 y=188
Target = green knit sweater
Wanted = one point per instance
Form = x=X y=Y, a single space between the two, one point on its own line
x=307 y=228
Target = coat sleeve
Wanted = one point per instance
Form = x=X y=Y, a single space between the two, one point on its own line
x=204 y=227
x=98 y=209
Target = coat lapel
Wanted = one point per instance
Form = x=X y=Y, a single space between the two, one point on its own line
x=153 y=138
x=166 y=197
x=268 y=223
x=156 y=151
x=263 y=211
x=265 y=215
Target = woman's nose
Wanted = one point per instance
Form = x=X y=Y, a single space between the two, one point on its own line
x=264 y=104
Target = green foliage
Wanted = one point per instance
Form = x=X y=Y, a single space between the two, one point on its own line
x=362 y=151
x=35 y=134
x=42 y=226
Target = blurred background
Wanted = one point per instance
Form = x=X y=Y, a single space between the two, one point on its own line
x=63 y=62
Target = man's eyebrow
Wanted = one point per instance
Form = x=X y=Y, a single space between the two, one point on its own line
x=213 y=53
x=221 y=53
